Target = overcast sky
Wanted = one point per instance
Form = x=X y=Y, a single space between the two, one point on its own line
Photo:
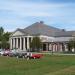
x=22 y=13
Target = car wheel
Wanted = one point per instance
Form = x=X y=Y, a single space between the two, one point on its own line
x=7 y=55
x=34 y=57
x=17 y=56
x=28 y=58
x=23 y=57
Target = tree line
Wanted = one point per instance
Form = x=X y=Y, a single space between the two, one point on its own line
x=4 y=39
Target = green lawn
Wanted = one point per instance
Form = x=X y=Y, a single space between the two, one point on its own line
x=48 y=65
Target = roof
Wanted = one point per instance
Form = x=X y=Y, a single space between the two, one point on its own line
x=39 y=28
x=21 y=30
x=65 y=34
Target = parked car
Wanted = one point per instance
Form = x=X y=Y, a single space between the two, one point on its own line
x=21 y=54
x=1 y=52
x=6 y=52
x=13 y=53
x=36 y=56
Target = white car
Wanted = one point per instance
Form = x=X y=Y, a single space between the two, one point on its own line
x=1 y=52
x=12 y=53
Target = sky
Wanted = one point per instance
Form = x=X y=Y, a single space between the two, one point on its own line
x=22 y=13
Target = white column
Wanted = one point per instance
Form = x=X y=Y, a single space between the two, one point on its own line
x=13 y=43
x=60 y=47
x=54 y=48
x=65 y=47
x=17 y=43
x=27 y=42
x=10 y=43
x=47 y=47
x=50 y=48
x=24 y=44
x=20 y=43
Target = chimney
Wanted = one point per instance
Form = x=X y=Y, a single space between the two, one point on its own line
x=63 y=30
x=41 y=22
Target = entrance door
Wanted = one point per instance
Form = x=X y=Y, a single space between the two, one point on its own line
x=44 y=47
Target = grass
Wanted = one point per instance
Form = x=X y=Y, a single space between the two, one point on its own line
x=48 y=65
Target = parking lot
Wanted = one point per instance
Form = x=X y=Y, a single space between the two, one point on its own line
x=20 y=54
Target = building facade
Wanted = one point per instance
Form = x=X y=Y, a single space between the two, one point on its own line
x=52 y=38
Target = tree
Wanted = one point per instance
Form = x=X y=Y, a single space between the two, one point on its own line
x=36 y=44
x=4 y=38
x=1 y=32
x=6 y=35
x=71 y=45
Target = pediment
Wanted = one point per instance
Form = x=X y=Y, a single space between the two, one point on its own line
x=17 y=33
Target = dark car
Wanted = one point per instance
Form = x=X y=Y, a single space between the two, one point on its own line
x=21 y=55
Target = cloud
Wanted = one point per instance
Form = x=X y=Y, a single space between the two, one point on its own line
x=24 y=12
x=30 y=9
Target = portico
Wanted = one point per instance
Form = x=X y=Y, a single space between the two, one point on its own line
x=21 y=43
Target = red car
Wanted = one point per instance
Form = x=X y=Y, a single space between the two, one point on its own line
x=36 y=56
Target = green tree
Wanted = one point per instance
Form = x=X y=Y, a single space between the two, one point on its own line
x=6 y=35
x=1 y=32
x=36 y=44
x=4 y=38
x=71 y=45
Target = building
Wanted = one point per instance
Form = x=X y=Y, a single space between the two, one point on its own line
x=52 y=38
